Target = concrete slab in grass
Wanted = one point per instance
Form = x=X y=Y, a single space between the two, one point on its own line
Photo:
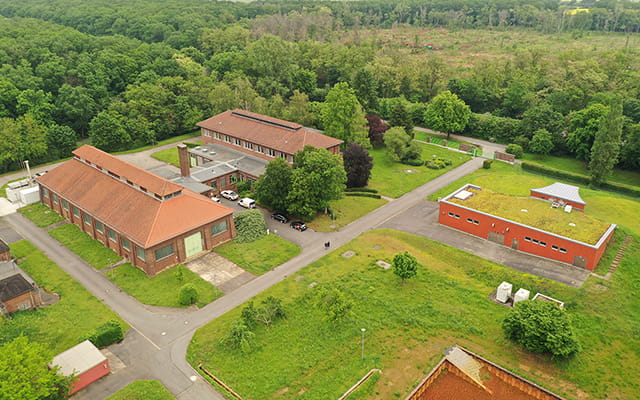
x=220 y=272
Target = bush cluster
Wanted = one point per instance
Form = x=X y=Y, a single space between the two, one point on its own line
x=515 y=149
x=106 y=334
x=416 y=162
x=358 y=194
x=361 y=189
x=492 y=128
x=188 y=294
x=438 y=163
x=486 y=164
x=250 y=226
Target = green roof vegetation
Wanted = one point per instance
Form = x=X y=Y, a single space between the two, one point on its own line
x=539 y=214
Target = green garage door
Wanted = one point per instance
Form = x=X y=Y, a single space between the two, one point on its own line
x=193 y=244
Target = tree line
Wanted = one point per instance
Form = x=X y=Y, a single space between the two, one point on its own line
x=59 y=84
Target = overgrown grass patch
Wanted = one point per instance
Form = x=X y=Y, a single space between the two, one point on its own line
x=90 y=250
x=40 y=214
x=345 y=211
x=174 y=139
x=138 y=390
x=408 y=326
x=63 y=324
x=394 y=179
x=261 y=255
x=162 y=289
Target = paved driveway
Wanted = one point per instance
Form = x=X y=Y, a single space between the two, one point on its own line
x=422 y=219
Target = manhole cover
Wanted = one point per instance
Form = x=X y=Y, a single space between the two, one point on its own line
x=348 y=254
x=383 y=264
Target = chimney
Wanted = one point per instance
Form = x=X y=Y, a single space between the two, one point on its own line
x=183 y=155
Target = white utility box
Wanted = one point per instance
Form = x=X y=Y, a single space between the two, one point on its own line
x=521 y=294
x=504 y=292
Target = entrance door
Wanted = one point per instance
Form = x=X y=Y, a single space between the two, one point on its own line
x=514 y=244
x=580 y=261
x=496 y=237
x=193 y=244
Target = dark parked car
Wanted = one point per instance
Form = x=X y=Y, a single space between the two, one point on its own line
x=299 y=226
x=280 y=218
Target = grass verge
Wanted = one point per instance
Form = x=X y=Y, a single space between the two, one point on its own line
x=261 y=255
x=164 y=288
x=579 y=167
x=408 y=326
x=90 y=250
x=345 y=211
x=61 y=325
x=40 y=214
x=147 y=390
x=394 y=179
x=170 y=156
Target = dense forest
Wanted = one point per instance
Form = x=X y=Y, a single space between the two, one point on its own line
x=130 y=73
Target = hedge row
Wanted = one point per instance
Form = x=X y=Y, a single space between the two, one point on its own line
x=357 y=194
x=106 y=334
x=368 y=190
x=582 y=179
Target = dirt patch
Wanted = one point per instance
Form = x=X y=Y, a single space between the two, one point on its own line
x=281 y=392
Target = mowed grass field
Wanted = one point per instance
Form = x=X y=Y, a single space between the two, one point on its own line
x=262 y=255
x=394 y=179
x=63 y=324
x=409 y=326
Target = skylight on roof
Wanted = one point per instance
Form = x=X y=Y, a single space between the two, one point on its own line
x=463 y=195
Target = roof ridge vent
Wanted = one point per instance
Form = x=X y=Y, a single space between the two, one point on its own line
x=265 y=121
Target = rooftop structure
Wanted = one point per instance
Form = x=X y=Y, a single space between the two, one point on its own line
x=464 y=375
x=560 y=192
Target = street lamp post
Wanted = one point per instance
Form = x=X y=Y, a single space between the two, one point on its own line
x=363 y=330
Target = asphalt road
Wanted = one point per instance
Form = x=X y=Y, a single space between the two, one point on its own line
x=156 y=346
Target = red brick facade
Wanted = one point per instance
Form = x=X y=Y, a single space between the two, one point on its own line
x=522 y=237
x=25 y=301
x=117 y=242
x=86 y=378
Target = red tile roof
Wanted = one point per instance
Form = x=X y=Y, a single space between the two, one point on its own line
x=123 y=169
x=274 y=133
x=140 y=216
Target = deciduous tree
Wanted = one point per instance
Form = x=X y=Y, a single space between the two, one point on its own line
x=357 y=164
x=541 y=327
x=583 y=128
x=399 y=145
x=335 y=304
x=239 y=337
x=405 y=266
x=606 y=145
x=447 y=113
x=376 y=130
x=25 y=374
x=343 y=117
x=541 y=142
x=273 y=186
x=318 y=177
x=400 y=117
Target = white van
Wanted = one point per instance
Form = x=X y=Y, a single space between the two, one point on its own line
x=247 y=203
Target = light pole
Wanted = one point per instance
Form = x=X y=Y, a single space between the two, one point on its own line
x=363 y=331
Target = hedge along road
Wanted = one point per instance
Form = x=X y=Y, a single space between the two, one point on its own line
x=157 y=347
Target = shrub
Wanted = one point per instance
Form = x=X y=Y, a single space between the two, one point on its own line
x=515 y=149
x=250 y=226
x=415 y=162
x=541 y=327
x=190 y=145
x=356 y=194
x=618 y=187
x=239 y=337
x=188 y=294
x=361 y=189
x=438 y=163
x=244 y=189
x=486 y=164
x=106 y=334
x=523 y=141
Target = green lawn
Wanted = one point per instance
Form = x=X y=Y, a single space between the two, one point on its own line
x=345 y=210
x=63 y=324
x=90 y=250
x=169 y=156
x=511 y=179
x=162 y=289
x=40 y=214
x=261 y=255
x=142 y=390
x=578 y=167
x=174 y=139
x=409 y=326
x=393 y=179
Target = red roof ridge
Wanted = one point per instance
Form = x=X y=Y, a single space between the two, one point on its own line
x=125 y=170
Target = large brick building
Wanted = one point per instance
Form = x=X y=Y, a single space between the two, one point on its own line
x=150 y=220
x=237 y=145
x=531 y=225
x=464 y=375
